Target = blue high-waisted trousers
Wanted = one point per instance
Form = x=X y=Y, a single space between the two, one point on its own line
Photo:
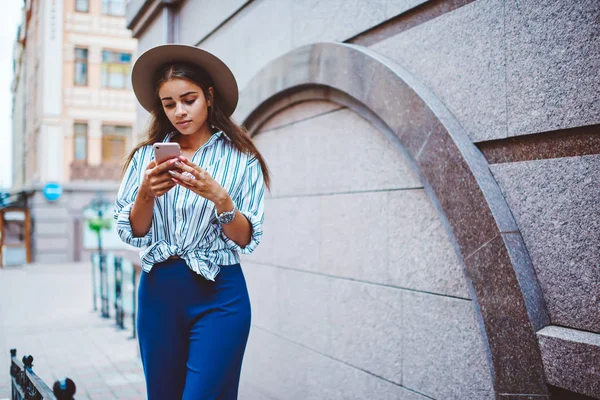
x=192 y=332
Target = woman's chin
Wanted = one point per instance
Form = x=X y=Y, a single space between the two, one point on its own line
x=188 y=130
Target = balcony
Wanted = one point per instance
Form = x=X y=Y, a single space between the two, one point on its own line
x=103 y=172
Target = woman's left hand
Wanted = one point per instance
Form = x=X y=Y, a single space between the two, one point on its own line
x=198 y=181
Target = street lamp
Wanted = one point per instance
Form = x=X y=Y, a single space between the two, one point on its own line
x=98 y=205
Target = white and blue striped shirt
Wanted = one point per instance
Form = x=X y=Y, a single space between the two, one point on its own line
x=185 y=224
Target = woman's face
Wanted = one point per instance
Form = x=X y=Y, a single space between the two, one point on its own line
x=185 y=105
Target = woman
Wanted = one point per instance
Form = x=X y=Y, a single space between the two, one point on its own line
x=195 y=214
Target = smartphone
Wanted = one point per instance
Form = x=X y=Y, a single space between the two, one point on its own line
x=166 y=151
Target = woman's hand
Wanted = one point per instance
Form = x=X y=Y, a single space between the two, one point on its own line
x=157 y=180
x=199 y=181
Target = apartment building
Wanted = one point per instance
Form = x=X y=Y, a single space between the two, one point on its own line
x=73 y=118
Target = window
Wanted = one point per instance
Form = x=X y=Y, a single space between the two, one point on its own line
x=115 y=69
x=80 y=141
x=82 y=6
x=114 y=142
x=81 y=66
x=113 y=7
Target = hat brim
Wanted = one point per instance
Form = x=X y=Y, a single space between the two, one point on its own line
x=146 y=66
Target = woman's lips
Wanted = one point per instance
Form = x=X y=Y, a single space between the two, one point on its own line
x=183 y=124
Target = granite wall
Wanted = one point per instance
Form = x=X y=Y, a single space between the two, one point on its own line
x=362 y=285
x=356 y=273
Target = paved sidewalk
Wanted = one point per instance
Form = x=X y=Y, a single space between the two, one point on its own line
x=46 y=311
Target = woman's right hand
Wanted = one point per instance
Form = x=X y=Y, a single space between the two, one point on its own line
x=157 y=180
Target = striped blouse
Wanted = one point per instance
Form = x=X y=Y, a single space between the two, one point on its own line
x=185 y=224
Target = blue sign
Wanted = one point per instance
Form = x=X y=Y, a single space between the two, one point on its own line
x=52 y=191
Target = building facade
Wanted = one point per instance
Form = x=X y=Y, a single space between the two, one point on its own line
x=73 y=116
x=431 y=232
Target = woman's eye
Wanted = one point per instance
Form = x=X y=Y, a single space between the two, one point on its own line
x=190 y=101
x=169 y=105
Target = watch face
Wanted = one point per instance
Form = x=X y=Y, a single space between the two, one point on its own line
x=226 y=217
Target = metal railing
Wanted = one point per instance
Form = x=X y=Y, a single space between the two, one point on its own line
x=114 y=281
x=26 y=385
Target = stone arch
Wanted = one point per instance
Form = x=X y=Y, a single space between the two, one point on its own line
x=505 y=291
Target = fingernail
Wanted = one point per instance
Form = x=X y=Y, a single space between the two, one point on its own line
x=177 y=163
x=172 y=173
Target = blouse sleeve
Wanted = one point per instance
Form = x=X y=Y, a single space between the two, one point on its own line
x=250 y=202
x=124 y=203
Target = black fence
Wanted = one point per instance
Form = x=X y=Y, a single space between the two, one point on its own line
x=26 y=385
x=114 y=281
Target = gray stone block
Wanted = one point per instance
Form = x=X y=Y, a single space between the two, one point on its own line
x=365 y=322
x=281 y=369
x=292 y=235
x=248 y=391
x=571 y=359
x=334 y=235
x=260 y=33
x=300 y=111
x=198 y=18
x=552 y=63
x=369 y=162
x=350 y=246
x=339 y=20
x=444 y=355
x=460 y=57
x=555 y=203
x=267 y=29
x=353 y=322
x=421 y=255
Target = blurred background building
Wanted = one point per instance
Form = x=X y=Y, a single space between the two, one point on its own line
x=73 y=118
x=432 y=230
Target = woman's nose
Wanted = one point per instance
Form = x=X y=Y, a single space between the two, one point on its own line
x=180 y=110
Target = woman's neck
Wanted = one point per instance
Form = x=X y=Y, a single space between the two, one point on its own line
x=194 y=141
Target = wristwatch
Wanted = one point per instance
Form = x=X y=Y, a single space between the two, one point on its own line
x=226 y=216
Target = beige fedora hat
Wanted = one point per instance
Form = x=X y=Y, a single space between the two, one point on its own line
x=147 y=65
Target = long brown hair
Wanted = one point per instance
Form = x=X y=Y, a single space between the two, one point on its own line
x=160 y=126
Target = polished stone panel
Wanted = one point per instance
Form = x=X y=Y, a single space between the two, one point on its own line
x=573 y=142
x=338 y=20
x=340 y=152
x=460 y=57
x=552 y=63
x=442 y=141
x=571 y=359
x=198 y=18
x=421 y=255
x=366 y=326
x=333 y=235
x=299 y=112
x=356 y=323
x=292 y=234
x=247 y=391
x=508 y=327
x=444 y=356
x=458 y=192
x=311 y=375
x=261 y=32
x=555 y=203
